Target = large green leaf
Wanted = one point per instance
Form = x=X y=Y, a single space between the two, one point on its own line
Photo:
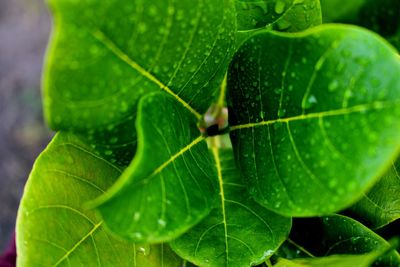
x=336 y=234
x=105 y=55
x=171 y=183
x=315 y=116
x=53 y=228
x=238 y=231
x=381 y=205
x=381 y=16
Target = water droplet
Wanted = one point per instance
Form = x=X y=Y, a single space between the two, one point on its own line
x=333 y=86
x=161 y=222
x=280 y=7
x=309 y=103
x=281 y=112
x=136 y=216
x=144 y=249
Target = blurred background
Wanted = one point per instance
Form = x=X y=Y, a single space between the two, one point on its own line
x=24 y=31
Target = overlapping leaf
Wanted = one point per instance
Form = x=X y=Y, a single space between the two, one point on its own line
x=314 y=116
x=381 y=205
x=54 y=229
x=238 y=231
x=104 y=57
x=364 y=260
x=279 y=15
x=171 y=183
x=381 y=16
x=336 y=234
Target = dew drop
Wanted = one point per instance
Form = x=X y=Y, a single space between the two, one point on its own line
x=144 y=249
x=309 y=103
x=281 y=113
x=280 y=7
x=333 y=86
x=161 y=222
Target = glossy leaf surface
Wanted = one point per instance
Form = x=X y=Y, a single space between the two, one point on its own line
x=281 y=15
x=381 y=205
x=336 y=234
x=278 y=15
x=314 y=116
x=54 y=228
x=238 y=231
x=104 y=57
x=171 y=183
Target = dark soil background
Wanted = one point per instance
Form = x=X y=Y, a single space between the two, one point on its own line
x=24 y=31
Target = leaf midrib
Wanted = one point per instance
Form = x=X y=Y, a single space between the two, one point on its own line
x=111 y=46
x=89 y=234
x=330 y=113
x=217 y=159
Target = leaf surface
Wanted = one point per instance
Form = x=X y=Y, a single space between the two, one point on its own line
x=381 y=205
x=280 y=15
x=54 y=228
x=314 y=116
x=171 y=183
x=337 y=234
x=364 y=260
x=238 y=231
x=381 y=16
x=105 y=55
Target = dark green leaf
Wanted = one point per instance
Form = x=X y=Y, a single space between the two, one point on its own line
x=336 y=234
x=54 y=229
x=278 y=15
x=381 y=205
x=339 y=10
x=364 y=260
x=171 y=183
x=282 y=15
x=238 y=231
x=314 y=116
x=105 y=55
x=381 y=16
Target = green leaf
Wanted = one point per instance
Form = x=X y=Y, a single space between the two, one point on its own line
x=381 y=16
x=171 y=183
x=336 y=234
x=281 y=15
x=314 y=116
x=364 y=260
x=278 y=15
x=381 y=205
x=53 y=228
x=105 y=55
x=339 y=10
x=238 y=231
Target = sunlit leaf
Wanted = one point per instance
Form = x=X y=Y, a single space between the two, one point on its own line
x=54 y=228
x=105 y=55
x=171 y=183
x=314 y=116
